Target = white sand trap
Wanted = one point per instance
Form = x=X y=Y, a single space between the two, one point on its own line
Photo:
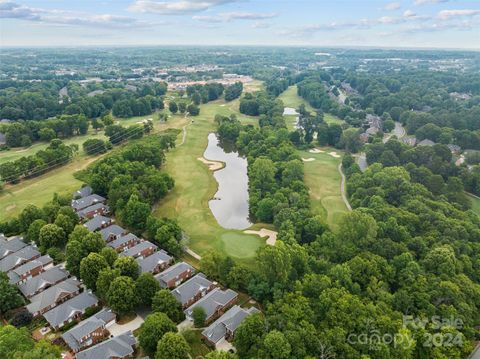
x=310 y=159
x=272 y=235
x=316 y=150
x=222 y=105
x=334 y=154
x=212 y=165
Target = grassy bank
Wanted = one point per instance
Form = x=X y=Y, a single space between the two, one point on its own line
x=475 y=203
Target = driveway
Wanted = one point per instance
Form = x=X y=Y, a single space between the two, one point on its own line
x=117 y=329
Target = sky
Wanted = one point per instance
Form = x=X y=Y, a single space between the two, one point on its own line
x=322 y=23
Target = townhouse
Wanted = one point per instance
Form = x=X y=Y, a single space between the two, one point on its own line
x=155 y=263
x=94 y=210
x=175 y=275
x=140 y=250
x=192 y=290
x=120 y=347
x=16 y=259
x=97 y=223
x=84 y=202
x=42 y=281
x=214 y=304
x=112 y=232
x=30 y=269
x=9 y=246
x=124 y=242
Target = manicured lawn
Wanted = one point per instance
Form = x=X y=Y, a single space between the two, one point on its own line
x=324 y=180
x=290 y=98
x=195 y=186
x=15 y=154
x=475 y=204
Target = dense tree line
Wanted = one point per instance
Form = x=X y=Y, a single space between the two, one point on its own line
x=205 y=93
x=233 y=91
x=56 y=154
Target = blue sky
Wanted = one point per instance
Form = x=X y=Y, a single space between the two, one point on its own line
x=377 y=23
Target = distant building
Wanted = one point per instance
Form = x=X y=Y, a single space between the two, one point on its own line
x=214 y=304
x=112 y=232
x=124 y=242
x=119 y=347
x=140 y=250
x=43 y=281
x=225 y=326
x=175 y=275
x=410 y=141
x=83 y=192
x=192 y=290
x=426 y=142
x=455 y=149
x=81 y=203
x=94 y=210
x=155 y=263
x=89 y=331
x=97 y=223
x=71 y=310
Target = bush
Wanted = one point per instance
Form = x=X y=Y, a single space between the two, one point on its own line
x=21 y=319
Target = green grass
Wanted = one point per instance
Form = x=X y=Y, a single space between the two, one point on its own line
x=324 y=180
x=194 y=339
x=15 y=154
x=195 y=186
x=290 y=98
x=475 y=203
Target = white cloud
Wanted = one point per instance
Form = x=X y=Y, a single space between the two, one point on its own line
x=425 y=2
x=175 y=7
x=449 y=14
x=232 y=16
x=393 y=6
x=260 y=25
x=409 y=14
x=12 y=10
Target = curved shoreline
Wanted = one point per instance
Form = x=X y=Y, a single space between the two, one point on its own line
x=262 y=233
x=212 y=165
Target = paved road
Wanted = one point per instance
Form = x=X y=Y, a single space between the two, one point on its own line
x=342 y=188
x=117 y=329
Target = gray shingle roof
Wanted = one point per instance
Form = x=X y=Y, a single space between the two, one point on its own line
x=83 y=192
x=117 y=243
x=149 y=263
x=172 y=273
x=136 y=249
x=83 y=213
x=47 y=278
x=16 y=274
x=87 y=201
x=116 y=347
x=230 y=320
x=97 y=223
x=12 y=245
x=53 y=294
x=213 y=300
x=191 y=288
x=18 y=258
x=114 y=229
x=74 y=336
x=70 y=308
x=426 y=142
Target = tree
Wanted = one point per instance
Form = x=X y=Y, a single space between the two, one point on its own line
x=135 y=213
x=65 y=222
x=21 y=318
x=33 y=233
x=146 y=286
x=220 y=355
x=172 y=107
x=29 y=215
x=276 y=346
x=43 y=350
x=249 y=336
x=127 y=266
x=121 y=296
x=165 y=302
x=172 y=346
x=13 y=340
x=193 y=110
x=155 y=326
x=104 y=280
x=109 y=254
x=90 y=268
x=52 y=235
x=10 y=298
x=199 y=316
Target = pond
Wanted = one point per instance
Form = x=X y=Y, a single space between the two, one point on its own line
x=230 y=203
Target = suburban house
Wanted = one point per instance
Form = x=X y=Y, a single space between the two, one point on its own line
x=42 y=281
x=155 y=263
x=53 y=296
x=97 y=223
x=94 y=210
x=214 y=304
x=88 y=201
x=455 y=149
x=192 y=290
x=112 y=232
x=30 y=269
x=175 y=275
x=123 y=242
x=89 y=331
x=224 y=327
x=70 y=310
x=140 y=250
x=120 y=347
x=9 y=246
x=18 y=258
x=83 y=192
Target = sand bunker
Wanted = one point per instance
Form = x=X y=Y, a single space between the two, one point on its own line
x=310 y=159
x=212 y=165
x=272 y=235
x=334 y=154
x=316 y=150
